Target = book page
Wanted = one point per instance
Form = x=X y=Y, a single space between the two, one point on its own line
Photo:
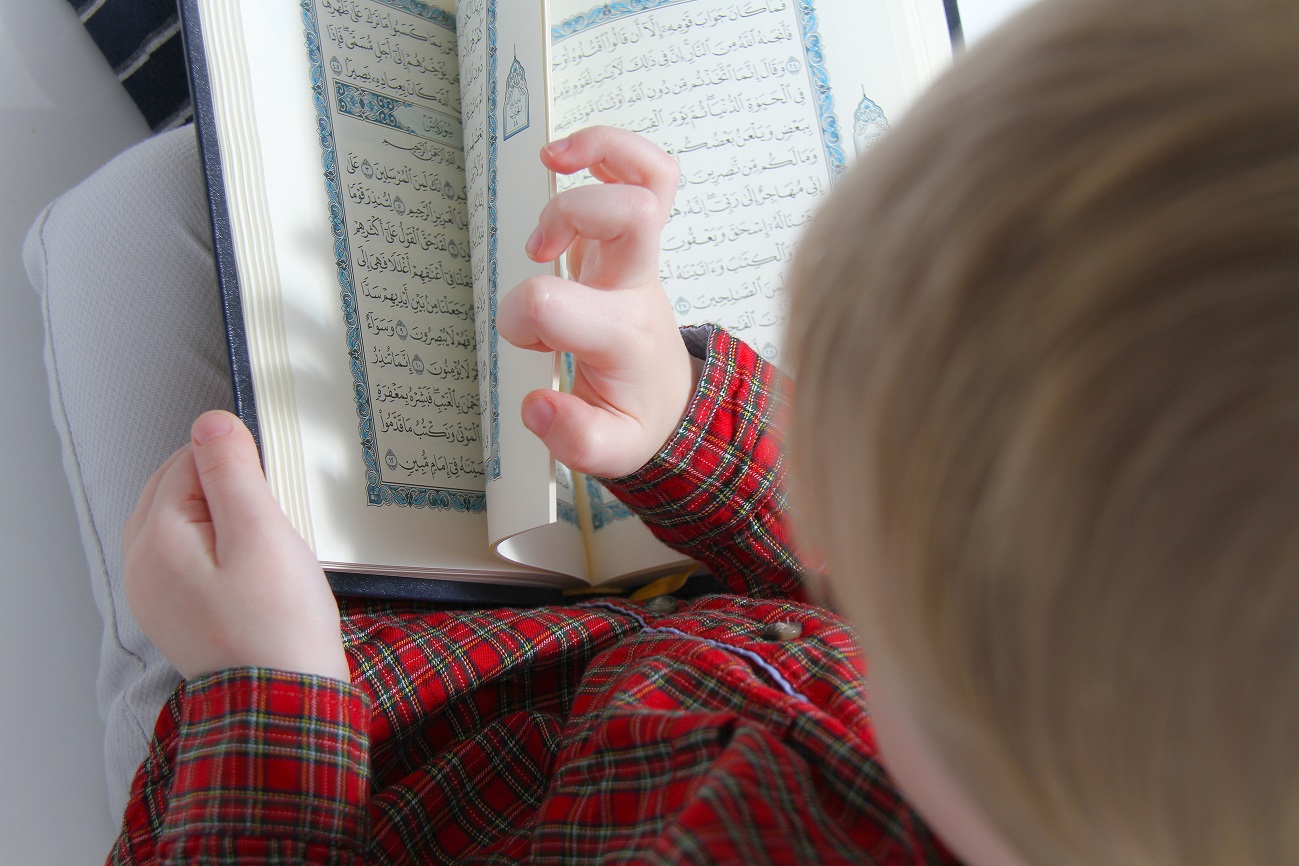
x=621 y=548
x=388 y=110
x=344 y=147
x=763 y=103
x=503 y=81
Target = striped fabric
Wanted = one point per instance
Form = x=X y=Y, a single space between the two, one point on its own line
x=663 y=732
x=141 y=40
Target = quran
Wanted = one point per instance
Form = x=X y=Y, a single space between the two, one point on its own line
x=373 y=173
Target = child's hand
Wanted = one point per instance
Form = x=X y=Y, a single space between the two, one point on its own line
x=216 y=575
x=633 y=377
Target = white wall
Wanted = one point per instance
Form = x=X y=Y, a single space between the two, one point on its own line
x=61 y=115
x=980 y=16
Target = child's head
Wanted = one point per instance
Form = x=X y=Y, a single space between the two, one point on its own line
x=1046 y=431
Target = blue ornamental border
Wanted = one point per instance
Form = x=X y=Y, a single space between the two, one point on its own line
x=492 y=465
x=813 y=51
x=420 y=9
x=378 y=492
x=604 y=511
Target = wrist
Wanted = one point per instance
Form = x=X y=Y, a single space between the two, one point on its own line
x=307 y=655
x=683 y=381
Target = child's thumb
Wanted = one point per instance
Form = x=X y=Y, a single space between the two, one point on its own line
x=229 y=470
x=583 y=438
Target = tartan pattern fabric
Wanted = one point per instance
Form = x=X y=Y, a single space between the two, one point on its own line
x=601 y=731
x=256 y=742
x=718 y=483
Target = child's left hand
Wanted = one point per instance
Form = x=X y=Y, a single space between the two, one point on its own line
x=633 y=377
x=216 y=575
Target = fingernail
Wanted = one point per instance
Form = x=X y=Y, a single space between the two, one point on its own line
x=211 y=426
x=538 y=415
x=558 y=146
x=534 y=242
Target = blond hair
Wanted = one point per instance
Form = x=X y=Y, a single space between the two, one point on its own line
x=1046 y=432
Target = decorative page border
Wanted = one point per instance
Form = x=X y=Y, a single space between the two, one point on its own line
x=381 y=110
x=492 y=465
x=567 y=511
x=604 y=14
x=813 y=52
x=604 y=510
x=378 y=492
x=418 y=8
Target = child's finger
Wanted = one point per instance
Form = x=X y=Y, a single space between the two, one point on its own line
x=231 y=475
x=145 y=500
x=616 y=156
x=624 y=219
x=178 y=500
x=547 y=313
x=582 y=437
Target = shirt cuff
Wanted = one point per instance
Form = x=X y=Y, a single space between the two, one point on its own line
x=271 y=765
x=724 y=464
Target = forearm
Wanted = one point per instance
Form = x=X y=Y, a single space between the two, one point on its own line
x=268 y=767
x=716 y=491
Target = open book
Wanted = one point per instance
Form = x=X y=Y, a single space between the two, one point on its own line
x=374 y=176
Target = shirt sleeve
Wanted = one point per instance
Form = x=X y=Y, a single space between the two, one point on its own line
x=716 y=491
x=270 y=767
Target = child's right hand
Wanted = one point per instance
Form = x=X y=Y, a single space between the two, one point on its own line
x=216 y=575
x=633 y=377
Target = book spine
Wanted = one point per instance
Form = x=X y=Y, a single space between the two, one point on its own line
x=222 y=236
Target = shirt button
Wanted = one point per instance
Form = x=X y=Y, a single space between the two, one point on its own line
x=661 y=605
x=782 y=631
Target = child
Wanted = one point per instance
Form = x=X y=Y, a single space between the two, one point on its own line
x=1047 y=343
x=724 y=727
x=1043 y=437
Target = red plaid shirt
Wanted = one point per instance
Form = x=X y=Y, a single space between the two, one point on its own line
x=605 y=729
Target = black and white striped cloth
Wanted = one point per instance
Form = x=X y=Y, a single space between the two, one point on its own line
x=141 y=39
